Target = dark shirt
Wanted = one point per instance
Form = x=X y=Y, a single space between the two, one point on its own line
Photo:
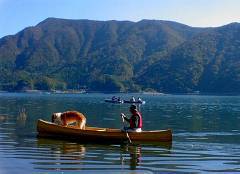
x=135 y=119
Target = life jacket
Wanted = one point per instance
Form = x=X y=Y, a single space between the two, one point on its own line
x=139 y=125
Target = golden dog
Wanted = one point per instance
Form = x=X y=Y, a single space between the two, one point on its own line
x=69 y=117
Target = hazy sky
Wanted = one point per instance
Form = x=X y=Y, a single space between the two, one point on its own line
x=15 y=15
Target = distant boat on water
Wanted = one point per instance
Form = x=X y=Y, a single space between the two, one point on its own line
x=113 y=101
x=134 y=102
x=119 y=100
x=69 y=91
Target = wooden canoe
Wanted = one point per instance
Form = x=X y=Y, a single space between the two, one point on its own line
x=48 y=129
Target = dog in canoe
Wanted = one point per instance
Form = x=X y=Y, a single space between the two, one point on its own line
x=69 y=117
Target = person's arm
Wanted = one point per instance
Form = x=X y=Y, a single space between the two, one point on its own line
x=137 y=121
x=125 y=118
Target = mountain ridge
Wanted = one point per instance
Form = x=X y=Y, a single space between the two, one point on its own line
x=114 y=55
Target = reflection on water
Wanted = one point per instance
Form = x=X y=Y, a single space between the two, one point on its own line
x=206 y=136
x=65 y=155
x=60 y=154
x=22 y=117
x=135 y=155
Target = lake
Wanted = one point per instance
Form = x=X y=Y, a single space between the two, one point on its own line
x=206 y=135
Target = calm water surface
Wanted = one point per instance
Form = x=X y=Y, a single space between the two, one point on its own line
x=206 y=135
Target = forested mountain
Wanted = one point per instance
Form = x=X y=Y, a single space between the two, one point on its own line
x=121 y=56
x=208 y=62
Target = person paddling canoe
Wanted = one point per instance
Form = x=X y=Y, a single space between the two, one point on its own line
x=135 y=120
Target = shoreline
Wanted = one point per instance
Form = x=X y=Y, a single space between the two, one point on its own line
x=114 y=93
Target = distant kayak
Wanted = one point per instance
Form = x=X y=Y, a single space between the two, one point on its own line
x=134 y=102
x=113 y=101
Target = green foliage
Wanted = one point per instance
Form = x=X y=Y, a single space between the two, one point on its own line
x=107 y=83
x=46 y=83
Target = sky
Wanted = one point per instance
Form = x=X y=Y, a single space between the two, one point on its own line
x=15 y=15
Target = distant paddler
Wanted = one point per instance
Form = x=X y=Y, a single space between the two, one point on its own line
x=132 y=99
x=140 y=100
x=135 y=120
x=114 y=98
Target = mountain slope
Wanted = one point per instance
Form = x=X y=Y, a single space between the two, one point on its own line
x=209 y=62
x=121 y=56
x=95 y=54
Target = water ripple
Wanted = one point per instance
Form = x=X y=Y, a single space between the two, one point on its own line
x=206 y=136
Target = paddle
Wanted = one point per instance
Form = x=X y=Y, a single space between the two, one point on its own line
x=126 y=130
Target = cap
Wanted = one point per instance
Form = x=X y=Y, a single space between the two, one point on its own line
x=133 y=107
